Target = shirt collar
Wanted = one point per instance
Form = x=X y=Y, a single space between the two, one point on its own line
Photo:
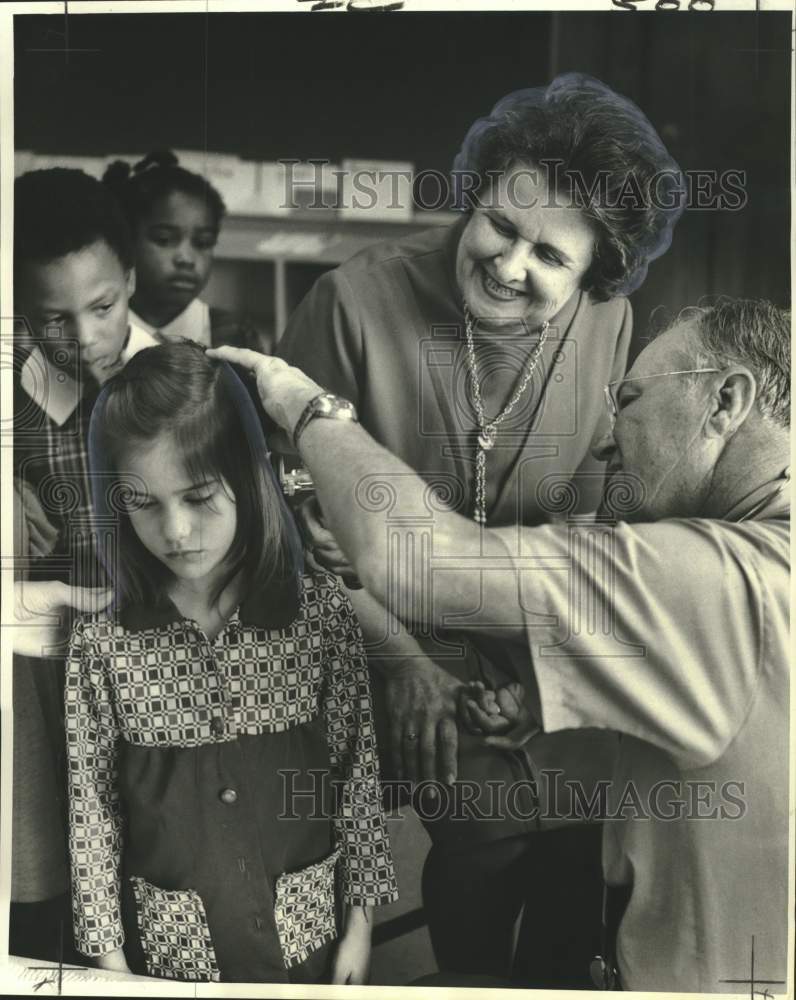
x=57 y=393
x=771 y=499
x=193 y=323
x=275 y=606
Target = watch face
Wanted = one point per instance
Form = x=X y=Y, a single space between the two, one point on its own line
x=331 y=404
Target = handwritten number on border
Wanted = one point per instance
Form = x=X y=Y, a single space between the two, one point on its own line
x=699 y=5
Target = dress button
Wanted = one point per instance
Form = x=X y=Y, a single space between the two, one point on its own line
x=228 y=796
x=217 y=726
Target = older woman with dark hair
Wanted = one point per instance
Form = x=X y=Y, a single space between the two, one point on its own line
x=477 y=353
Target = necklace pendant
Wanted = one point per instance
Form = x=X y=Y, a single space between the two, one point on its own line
x=486 y=439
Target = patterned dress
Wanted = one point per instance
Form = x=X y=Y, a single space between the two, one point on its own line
x=224 y=793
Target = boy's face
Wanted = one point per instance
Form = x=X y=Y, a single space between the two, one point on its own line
x=76 y=307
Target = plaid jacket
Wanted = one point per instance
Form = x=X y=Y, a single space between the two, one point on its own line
x=51 y=419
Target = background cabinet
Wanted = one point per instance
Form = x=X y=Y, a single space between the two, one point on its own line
x=265 y=266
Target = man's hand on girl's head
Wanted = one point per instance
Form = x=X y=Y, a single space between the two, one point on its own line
x=284 y=390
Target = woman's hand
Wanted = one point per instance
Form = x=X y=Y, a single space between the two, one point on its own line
x=284 y=391
x=352 y=957
x=421 y=704
x=501 y=716
x=114 y=961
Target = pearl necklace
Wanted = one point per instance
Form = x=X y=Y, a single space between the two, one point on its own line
x=488 y=428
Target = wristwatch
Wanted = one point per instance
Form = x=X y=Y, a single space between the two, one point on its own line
x=325 y=405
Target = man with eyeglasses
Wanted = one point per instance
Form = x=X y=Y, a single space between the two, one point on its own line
x=670 y=627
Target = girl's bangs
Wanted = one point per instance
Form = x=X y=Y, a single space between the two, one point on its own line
x=206 y=444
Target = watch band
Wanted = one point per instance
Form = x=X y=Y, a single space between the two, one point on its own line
x=325 y=404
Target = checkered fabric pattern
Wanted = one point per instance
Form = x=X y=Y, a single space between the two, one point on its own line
x=174 y=933
x=304 y=909
x=165 y=686
x=53 y=460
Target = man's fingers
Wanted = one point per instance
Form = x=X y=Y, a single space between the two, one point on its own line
x=509 y=703
x=448 y=749
x=242 y=356
x=488 y=702
x=486 y=722
x=503 y=742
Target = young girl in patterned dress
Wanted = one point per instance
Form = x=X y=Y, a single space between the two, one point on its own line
x=225 y=819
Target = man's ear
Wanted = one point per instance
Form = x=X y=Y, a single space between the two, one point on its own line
x=131 y=283
x=732 y=401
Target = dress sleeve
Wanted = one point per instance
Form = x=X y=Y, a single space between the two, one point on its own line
x=367 y=866
x=95 y=833
x=590 y=476
x=324 y=337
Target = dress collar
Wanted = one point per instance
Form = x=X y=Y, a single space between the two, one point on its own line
x=193 y=323
x=275 y=606
x=57 y=393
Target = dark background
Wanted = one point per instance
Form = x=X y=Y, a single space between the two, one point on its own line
x=268 y=86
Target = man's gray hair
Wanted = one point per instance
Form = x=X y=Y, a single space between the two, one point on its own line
x=751 y=332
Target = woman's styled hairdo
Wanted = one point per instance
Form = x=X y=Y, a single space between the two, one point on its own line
x=175 y=389
x=140 y=187
x=597 y=148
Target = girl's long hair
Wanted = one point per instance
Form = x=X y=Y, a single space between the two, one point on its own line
x=176 y=389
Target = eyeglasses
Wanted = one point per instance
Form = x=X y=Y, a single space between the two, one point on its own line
x=612 y=389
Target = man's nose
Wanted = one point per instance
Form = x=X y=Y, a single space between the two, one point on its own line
x=604 y=447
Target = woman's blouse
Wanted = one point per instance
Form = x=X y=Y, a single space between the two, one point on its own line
x=386 y=330
x=214 y=783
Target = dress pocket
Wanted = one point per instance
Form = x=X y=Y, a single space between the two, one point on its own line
x=175 y=938
x=304 y=909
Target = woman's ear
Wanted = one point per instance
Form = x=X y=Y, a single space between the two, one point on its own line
x=732 y=401
x=131 y=283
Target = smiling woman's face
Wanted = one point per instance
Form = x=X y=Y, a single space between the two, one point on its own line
x=523 y=252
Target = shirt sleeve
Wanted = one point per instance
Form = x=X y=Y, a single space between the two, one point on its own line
x=95 y=829
x=324 y=337
x=654 y=630
x=368 y=874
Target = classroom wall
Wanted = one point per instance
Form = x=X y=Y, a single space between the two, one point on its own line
x=716 y=86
